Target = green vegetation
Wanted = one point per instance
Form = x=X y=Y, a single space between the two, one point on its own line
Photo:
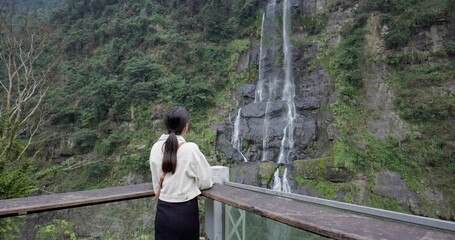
x=404 y=17
x=422 y=100
x=121 y=64
x=266 y=171
x=385 y=203
x=59 y=229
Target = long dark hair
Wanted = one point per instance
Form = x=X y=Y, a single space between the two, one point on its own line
x=175 y=121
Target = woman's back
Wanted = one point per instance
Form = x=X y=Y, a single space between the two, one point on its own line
x=179 y=172
x=192 y=172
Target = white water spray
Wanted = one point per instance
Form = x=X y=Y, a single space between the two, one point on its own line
x=287 y=142
x=276 y=181
x=285 y=185
x=281 y=184
x=236 y=140
x=266 y=51
x=261 y=80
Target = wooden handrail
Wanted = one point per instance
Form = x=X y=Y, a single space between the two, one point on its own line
x=322 y=220
x=42 y=203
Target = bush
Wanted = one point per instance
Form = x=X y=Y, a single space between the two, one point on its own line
x=84 y=140
x=110 y=144
x=139 y=162
x=98 y=169
x=315 y=24
x=15 y=181
x=450 y=49
x=59 y=229
x=143 y=91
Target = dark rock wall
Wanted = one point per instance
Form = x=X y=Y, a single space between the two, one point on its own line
x=312 y=123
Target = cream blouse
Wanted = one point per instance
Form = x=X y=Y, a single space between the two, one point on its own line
x=192 y=173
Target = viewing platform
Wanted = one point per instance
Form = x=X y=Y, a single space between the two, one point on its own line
x=232 y=210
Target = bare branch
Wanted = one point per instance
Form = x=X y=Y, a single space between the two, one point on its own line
x=26 y=83
x=34 y=130
x=79 y=165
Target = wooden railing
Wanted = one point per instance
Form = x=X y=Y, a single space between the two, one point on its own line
x=44 y=203
x=323 y=220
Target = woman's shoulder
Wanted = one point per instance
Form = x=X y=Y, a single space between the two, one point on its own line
x=189 y=146
x=157 y=145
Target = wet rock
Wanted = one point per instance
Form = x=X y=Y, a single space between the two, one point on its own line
x=246 y=92
x=254 y=110
x=246 y=173
x=253 y=153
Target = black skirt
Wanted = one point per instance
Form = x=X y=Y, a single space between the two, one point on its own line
x=175 y=221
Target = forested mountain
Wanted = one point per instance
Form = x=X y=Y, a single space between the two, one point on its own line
x=123 y=63
x=374 y=79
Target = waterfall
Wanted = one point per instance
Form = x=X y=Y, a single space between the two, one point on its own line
x=236 y=141
x=267 y=56
x=260 y=85
x=281 y=184
x=271 y=87
x=266 y=49
x=265 y=130
x=285 y=185
x=276 y=181
x=287 y=142
x=266 y=82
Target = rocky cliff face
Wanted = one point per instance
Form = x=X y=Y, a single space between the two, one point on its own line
x=313 y=170
x=313 y=94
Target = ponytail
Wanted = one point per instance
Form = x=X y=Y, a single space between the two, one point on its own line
x=170 y=154
x=175 y=121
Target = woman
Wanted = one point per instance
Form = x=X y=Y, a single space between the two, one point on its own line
x=179 y=172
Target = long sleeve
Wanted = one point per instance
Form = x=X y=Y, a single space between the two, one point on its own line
x=200 y=169
x=191 y=175
x=155 y=169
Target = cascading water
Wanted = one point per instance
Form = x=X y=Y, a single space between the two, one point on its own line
x=287 y=143
x=266 y=50
x=266 y=58
x=281 y=184
x=285 y=185
x=236 y=140
x=276 y=181
x=260 y=85
x=273 y=87
x=269 y=89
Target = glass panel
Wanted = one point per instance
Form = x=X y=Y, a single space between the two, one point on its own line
x=132 y=219
x=242 y=225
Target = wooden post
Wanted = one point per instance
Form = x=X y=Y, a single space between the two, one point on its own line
x=214 y=211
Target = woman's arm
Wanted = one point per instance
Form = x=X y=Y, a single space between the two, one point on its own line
x=200 y=169
x=155 y=169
